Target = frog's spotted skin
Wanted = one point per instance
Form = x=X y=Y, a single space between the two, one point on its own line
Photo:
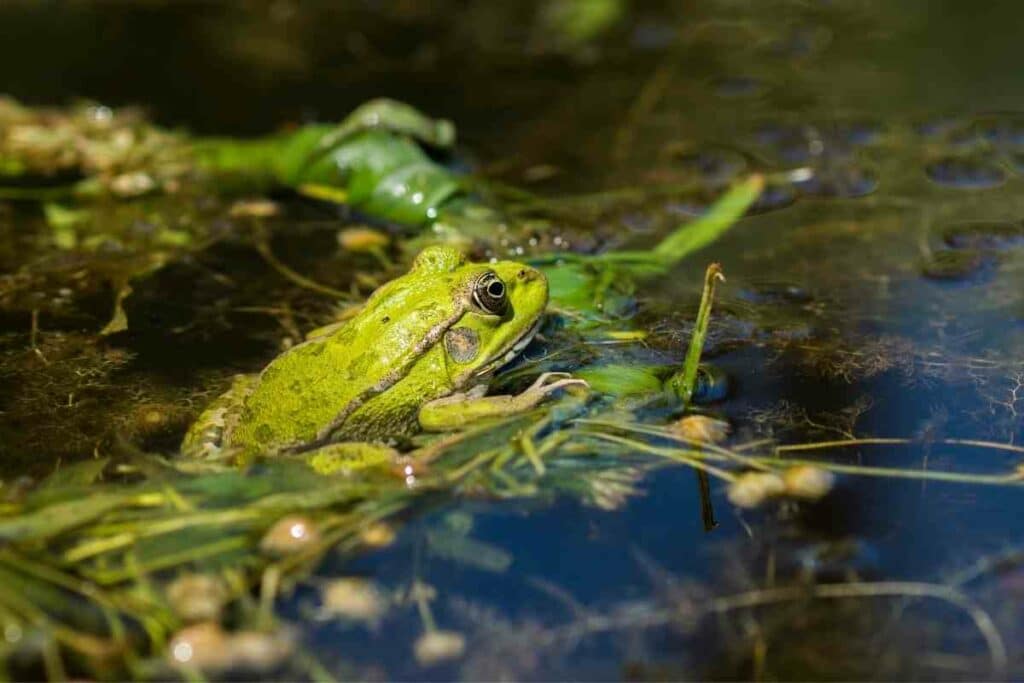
x=439 y=330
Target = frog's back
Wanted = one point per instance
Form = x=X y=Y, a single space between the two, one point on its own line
x=307 y=394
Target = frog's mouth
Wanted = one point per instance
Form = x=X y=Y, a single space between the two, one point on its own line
x=513 y=351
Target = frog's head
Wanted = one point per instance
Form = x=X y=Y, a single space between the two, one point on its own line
x=502 y=302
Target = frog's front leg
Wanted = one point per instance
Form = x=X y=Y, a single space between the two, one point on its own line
x=458 y=410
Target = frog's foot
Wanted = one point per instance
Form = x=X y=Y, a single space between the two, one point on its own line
x=206 y=437
x=545 y=385
x=458 y=410
x=350 y=457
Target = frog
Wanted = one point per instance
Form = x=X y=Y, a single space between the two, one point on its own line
x=419 y=355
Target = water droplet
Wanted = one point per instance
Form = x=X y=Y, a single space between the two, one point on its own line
x=965 y=173
x=182 y=652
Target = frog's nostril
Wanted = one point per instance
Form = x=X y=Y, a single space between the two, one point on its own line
x=521 y=274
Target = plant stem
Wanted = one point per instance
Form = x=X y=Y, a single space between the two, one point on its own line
x=682 y=383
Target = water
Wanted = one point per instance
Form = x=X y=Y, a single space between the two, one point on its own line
x=849 y=309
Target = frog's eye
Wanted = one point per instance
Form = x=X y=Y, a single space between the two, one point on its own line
x=489 y=294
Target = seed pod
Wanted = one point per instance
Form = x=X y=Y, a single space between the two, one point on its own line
x=197 y=597
x=378 y=535
x=202 y=645
x=289 y=535
x=808 y=482
x=753 y=488
x=362 y=239
x=438 y=646
x=700 y=429
x=353 y=598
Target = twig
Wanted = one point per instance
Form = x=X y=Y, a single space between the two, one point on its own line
x=647 y=99
x=691 y=458
x=771 y=596
x=263 y=247
x=33 y=337
x=699 y=459
x=890 y=441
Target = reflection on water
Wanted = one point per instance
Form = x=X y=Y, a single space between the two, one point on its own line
x=875 y=292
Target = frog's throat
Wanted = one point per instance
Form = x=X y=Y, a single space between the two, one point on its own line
x=504 y=355
x=433 y=335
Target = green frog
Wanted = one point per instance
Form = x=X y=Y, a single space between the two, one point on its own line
x=418 y=355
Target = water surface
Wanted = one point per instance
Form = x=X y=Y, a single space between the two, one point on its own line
x=850 y=310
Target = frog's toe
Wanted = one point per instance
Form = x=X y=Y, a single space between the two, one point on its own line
x=547 y=377
x=550 y=382
x=206 y=437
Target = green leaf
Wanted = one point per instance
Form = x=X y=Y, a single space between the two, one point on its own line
x=722 y=215
x=76 y=474
x=54 y=519
x=621 y=380
x=395 y=117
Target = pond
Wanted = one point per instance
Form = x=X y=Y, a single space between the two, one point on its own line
x=870 y=329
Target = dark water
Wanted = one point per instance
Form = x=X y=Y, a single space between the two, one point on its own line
x=850 y=307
